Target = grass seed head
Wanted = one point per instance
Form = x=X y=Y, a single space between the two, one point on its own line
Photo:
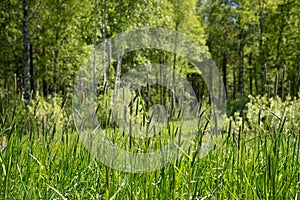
x=3 y=143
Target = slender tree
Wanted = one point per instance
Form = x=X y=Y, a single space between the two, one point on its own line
x=95 y=50
x=261 y=53
x=241 y=63
x=119 y=57
x=31 y=71
x=103 y=33
x=25 y=51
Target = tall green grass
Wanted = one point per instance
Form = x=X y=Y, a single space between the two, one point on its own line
x=257 y=157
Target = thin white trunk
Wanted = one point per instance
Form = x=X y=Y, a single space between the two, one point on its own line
x=95 y=44
x=103 y=32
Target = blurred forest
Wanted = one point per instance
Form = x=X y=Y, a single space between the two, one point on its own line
x=255 y=44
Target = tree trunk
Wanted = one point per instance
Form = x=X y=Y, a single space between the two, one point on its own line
x=32 y=89
x=95 y=52
x=224 y=67
x=261 y=60
x=234 y=85
x=55 y=72
x=103 y=33
x=282 y=82
x=173 y=75
x=276 y=85
x=25 y=39
x=250 y=81
x=250 y=74
x=44 y=81
x=241 y=64
x=283 y=24
x=119 y=58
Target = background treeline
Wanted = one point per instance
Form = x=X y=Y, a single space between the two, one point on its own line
x=255 y=44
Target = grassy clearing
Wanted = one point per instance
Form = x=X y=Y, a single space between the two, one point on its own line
x=257 y=157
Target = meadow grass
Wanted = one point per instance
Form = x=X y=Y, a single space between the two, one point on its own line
x=251 y=160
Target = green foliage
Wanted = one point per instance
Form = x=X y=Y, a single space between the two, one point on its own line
x=48 y=112
x=262 y=113
x=257 y=155
x=236 y=105
x=252 y=40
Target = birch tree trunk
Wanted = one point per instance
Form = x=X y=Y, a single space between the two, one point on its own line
x=103 y=33
x=95 y=52
x=119 y=59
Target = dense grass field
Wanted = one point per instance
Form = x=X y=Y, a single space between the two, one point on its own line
x=256 y=157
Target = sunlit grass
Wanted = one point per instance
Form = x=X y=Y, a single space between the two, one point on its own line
x=44 y=160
